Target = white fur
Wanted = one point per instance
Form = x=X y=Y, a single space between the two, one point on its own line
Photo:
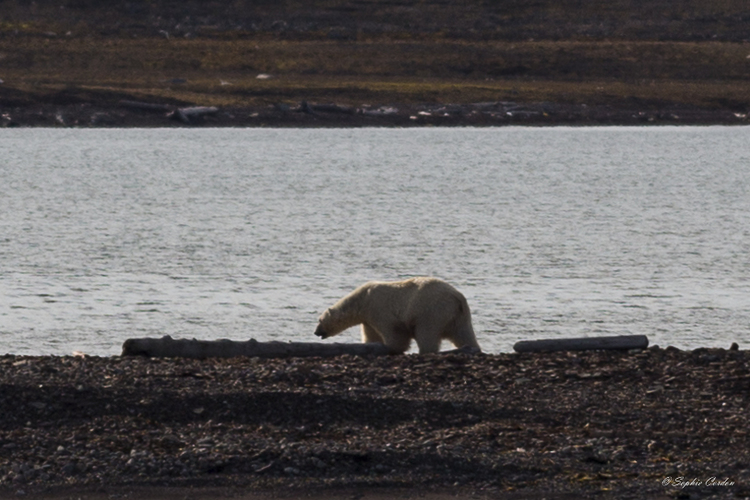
x=427 y=310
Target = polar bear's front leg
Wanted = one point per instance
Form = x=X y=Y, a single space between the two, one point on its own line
x=392 y=335
x=397 y=342
x=369 y=335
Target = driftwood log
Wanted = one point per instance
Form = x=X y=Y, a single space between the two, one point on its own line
x=167 y=347
x=333 y=108
x=188 y=115
x=185 y=115
x=622 y=342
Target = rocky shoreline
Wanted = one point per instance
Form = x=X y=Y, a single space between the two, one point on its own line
x=131 y=114
x=657 y=423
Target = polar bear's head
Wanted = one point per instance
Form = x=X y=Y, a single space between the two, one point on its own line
x=344 y=314
x=334 y=321
x=325 y=321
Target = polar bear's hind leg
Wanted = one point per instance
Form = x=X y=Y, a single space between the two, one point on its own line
x=464 y=336
x=427 y=340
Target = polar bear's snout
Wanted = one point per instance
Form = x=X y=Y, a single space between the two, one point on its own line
x=321 y=333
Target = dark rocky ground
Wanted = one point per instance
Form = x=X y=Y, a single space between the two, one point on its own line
x=557 y=425
x=73 y=109
x=477 y=115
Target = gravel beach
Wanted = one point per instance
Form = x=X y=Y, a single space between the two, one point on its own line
x=658 y=423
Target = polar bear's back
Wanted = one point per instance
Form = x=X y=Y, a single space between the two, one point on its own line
x=414 y=296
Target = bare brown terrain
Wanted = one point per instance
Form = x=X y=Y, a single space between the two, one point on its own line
x=373 y=62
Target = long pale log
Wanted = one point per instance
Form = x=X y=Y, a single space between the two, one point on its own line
x=622 y=342
x=186 y=115
x=167 y=347
x=197 y=111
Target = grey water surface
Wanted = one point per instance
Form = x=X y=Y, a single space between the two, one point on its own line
x=238 y=233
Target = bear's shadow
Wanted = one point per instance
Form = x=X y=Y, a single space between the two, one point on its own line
x=236 y=407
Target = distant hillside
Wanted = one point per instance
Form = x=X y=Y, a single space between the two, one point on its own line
x=656 y=20
x=573 y=61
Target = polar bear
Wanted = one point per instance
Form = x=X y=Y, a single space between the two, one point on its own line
x=427 y=310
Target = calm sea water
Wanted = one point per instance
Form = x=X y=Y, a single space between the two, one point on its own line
x=549 y=232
